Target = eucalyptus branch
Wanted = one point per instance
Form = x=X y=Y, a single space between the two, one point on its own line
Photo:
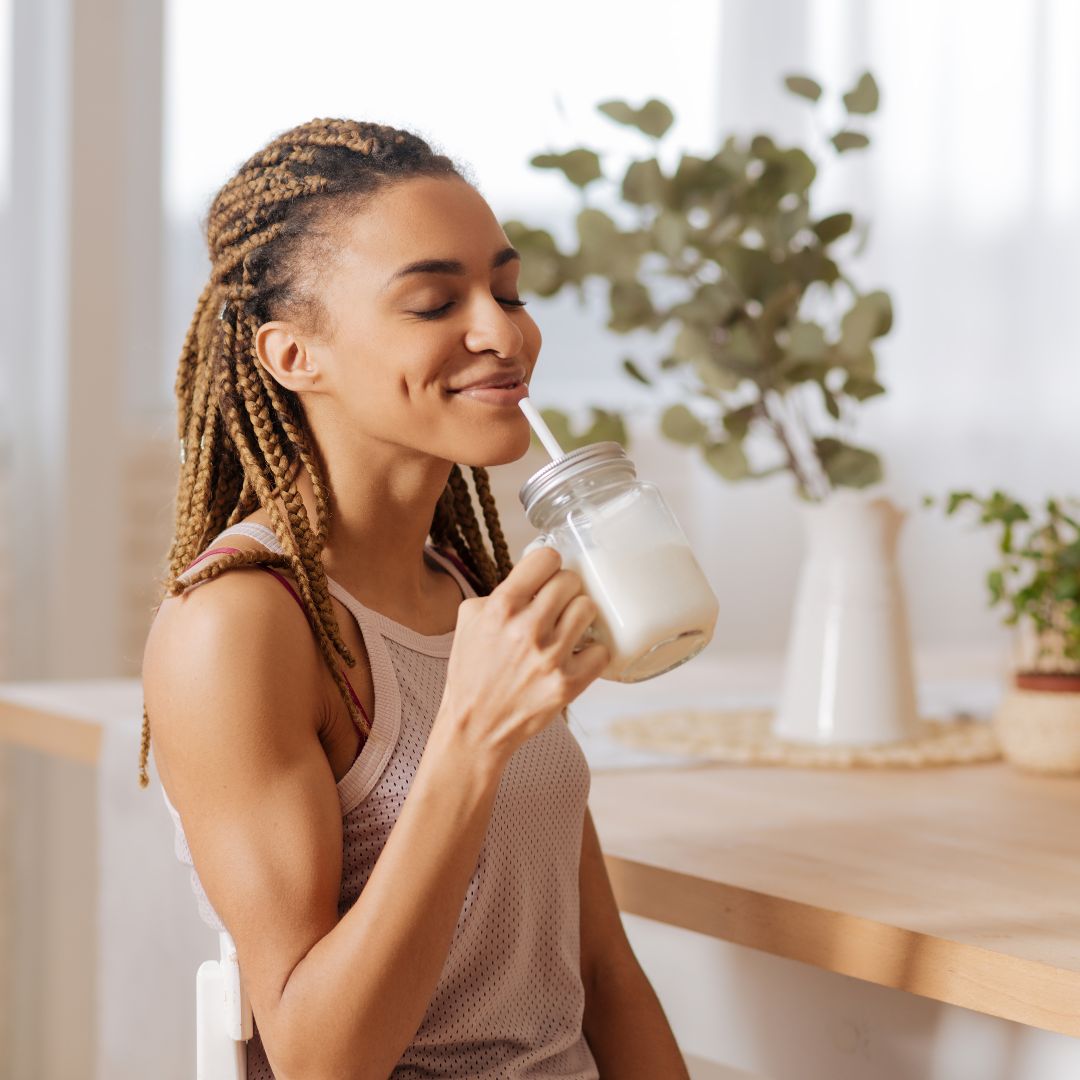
x=752 y=234
x=789 y=452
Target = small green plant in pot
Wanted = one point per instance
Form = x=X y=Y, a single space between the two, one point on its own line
x=1036 y=582
x=761 y=338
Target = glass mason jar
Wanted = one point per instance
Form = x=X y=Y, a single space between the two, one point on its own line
x=657 y=609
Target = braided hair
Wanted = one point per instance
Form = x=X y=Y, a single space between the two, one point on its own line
x=243 y=437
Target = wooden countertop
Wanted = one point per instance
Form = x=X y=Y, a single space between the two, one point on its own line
x=960 y=884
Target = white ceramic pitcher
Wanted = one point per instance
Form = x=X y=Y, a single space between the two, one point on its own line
x=848 y=677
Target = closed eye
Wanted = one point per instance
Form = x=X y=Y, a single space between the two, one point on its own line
x=435 y=313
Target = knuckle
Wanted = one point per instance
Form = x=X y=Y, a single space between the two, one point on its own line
x=589 y=605
x=574 y=578
x=499 y=605
x=519 y=632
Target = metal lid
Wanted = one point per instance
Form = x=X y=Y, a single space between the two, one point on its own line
x=576 y=463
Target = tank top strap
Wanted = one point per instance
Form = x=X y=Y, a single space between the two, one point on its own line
x=264 y=535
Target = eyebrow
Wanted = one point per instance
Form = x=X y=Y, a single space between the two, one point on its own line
x=450 y=266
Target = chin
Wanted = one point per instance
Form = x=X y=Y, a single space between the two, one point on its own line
x=497 y=449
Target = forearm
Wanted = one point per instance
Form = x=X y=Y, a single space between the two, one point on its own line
x=626 y=1028
x=352 y=1005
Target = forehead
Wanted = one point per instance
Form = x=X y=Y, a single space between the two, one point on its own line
x=424 y=218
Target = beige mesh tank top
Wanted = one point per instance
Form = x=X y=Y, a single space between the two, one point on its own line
x=510 y=1000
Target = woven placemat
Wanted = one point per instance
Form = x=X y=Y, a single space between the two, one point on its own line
x=743 y=737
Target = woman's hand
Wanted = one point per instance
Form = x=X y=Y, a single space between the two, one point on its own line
x=513 y=666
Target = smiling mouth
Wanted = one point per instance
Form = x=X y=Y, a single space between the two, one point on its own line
x=511 y=384
x=502 y=396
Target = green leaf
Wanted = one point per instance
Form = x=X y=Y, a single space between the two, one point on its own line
x=868 y=318
x=995 y=582
x=542 y=265
x=956 y=500
x=752 y=271
x=691 y=342
x=699 y=181
x=631 y=306
x=862 y=389
x=605 y=426
x=728 y=459
x=595 y=228
x=806 y=341
x=863 y=98
x=833 y=227
x=644 y=183
x=581 y=167
x=680 y=425
x=810 y=265
x=1067 y=587
x=848 y=466
x=741 y=352
x=670 y=233
x=711 y=305
x=885 y=311
x=832 y=406
x=762 y=146
x=849 y=140
x=635 y=372
x=803 y=86
x=737 y=422
x=652 y=119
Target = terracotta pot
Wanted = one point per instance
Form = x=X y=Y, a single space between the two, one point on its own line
x=1038 y=722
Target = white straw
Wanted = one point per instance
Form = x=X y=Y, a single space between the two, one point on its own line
x=543 y=432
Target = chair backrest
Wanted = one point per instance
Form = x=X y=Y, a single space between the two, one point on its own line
x=223 y=1022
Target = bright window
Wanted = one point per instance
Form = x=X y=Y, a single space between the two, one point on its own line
x=487 y=85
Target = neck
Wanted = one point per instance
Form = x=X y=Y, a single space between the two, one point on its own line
x=381 y=505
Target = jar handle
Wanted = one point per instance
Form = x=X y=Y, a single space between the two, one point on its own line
x=543 y=540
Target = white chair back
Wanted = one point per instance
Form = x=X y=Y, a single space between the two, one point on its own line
x=223 y=1022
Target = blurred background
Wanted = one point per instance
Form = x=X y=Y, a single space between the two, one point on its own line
x=120 y=118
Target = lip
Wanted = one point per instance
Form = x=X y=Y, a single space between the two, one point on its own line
x=500 y=388
x=494 y=395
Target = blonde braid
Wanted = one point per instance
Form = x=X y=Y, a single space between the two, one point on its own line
x=491 y=521
x=481 y=562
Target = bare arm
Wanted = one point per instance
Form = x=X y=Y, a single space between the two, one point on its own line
x=230 y=705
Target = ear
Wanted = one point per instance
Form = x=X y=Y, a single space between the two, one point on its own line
x=287 y=356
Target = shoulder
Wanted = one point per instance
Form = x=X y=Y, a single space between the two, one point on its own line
x=230 y=666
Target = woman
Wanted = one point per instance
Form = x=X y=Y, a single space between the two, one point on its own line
x=387 y=810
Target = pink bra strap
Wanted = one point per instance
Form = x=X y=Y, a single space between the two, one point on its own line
x=296 y=596
x=466 y=573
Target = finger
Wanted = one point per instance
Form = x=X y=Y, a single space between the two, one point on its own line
x=585 y=666
x=528 y=576
x=576 y=618
x=554 y=596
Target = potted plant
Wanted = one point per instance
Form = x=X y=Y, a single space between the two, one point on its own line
x=1037 y=584
x=767 y=346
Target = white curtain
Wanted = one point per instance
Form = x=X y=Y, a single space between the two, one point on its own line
x=972 y=188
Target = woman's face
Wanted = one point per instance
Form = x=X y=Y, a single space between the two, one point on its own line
x=420 y=302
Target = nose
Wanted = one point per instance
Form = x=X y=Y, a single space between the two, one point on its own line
x=491 y=329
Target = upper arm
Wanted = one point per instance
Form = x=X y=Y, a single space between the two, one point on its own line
x=604 y=943
x=232 y=688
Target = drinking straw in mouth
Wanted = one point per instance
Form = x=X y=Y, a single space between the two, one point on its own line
x=543 y=432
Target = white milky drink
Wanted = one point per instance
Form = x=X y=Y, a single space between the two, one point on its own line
x=656 y=608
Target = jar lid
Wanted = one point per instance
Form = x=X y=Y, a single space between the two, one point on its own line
x=576 y=463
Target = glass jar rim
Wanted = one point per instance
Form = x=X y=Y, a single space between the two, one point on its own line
x=577 y=463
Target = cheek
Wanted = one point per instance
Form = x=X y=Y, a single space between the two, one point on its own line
x=533 y=338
